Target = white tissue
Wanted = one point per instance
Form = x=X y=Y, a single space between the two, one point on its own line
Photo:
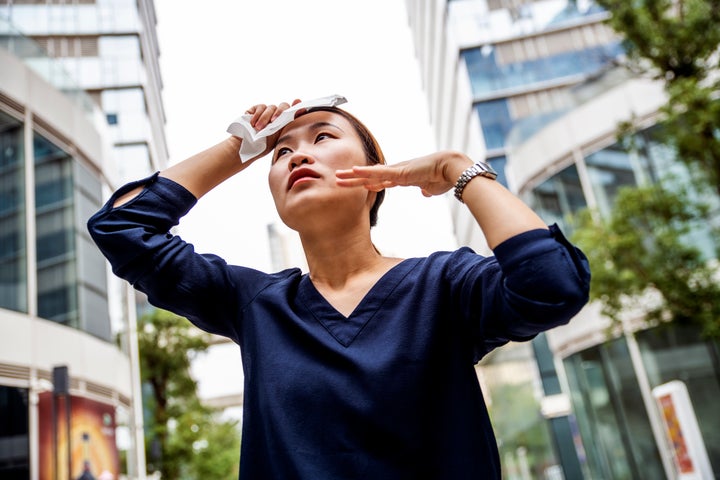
x=253 y=142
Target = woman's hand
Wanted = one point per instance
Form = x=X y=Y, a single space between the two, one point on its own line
x=263 y=115
x=434 y=174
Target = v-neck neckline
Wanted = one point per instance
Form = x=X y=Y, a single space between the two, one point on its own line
x=346 y=329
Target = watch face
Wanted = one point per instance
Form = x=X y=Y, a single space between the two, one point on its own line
x=486 y=167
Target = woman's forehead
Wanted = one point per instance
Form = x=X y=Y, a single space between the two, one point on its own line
x=312 y=117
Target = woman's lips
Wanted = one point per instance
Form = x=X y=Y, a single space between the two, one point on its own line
x=301 y=175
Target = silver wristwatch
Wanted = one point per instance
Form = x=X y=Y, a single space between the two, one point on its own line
x=481 y=169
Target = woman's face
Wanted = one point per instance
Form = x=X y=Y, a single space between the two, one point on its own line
x=302 y=176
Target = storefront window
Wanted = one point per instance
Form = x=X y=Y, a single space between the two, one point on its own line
x=678 y=352
x=14 y=439
x=611 y=415
x=13 y=277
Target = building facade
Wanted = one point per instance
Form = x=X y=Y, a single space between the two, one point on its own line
x=530 y=87
x=80 y=113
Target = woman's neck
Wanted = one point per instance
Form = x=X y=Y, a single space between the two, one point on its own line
x=333 y=259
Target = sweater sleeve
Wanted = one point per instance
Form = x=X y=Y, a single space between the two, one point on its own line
x=135 y=237
x=540 y=281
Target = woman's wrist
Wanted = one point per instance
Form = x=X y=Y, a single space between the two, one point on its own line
x=455 y=163
x=233 y=144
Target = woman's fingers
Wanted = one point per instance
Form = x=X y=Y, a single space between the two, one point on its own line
x=423 y=172
x=263 y=114
x=373 y=175
x=280 y=108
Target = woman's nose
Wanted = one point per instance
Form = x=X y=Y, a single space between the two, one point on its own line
x=297 y=160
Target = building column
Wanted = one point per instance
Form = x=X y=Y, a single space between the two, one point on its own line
x=649 y=402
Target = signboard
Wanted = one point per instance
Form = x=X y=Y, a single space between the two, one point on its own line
x=92 y=438
x=682 y=432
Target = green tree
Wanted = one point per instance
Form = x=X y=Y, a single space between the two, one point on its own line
x=677 y=42
x=642 y=256
x=182 y=434
x=642 y=261
x=222 y=441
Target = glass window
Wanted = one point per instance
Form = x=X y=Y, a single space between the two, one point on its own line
x=488 y=75
x=612 y=168
x=647 y=160
x=118 y=15
x=54 y=216
x=14 y=433
x=495 y=122
x=679 y=352
x=13 y=277
x=128 y=105
x=611 y=416
x=558 y=198
x=120 y=46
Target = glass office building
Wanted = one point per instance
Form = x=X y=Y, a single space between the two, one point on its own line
x=529 y=86
x=110 y=49
x=80 y=113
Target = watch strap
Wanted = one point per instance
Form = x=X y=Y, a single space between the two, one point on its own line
x=480 y=169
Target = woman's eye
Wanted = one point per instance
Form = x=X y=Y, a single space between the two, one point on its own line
x=322 y=136
x=282 y=152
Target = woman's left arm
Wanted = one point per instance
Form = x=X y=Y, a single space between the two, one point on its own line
x=543 y=280
x=499 y=213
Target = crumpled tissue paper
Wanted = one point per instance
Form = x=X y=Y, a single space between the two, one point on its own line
x=253 y=141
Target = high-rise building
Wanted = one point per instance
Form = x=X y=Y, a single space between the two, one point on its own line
x=80 y=113
x=533 y=88
x=110 y=49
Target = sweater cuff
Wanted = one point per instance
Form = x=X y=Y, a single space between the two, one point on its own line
x=176 y=197
x=532 y=243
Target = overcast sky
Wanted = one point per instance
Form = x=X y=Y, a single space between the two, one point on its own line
x=218 y=57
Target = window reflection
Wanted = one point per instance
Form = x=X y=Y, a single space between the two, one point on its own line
x=559 y=197
x=613 y=168
x=611 y=415
x=13 y=278
x=495 y=121
x=55 y=243
x=488 y=75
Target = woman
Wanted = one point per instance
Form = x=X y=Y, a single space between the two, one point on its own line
x=364 y=367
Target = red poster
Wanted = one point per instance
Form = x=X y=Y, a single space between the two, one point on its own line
x=92 y=439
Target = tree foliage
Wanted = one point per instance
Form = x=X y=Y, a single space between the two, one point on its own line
x=184 y=438
x=643 y=261
x=677 y=41
x=642 y=255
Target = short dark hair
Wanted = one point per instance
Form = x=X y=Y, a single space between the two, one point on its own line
x=371 y=147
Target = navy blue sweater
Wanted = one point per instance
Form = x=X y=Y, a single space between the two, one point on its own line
x=389 y=392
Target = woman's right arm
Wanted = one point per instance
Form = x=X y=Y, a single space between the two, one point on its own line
x=133 y=230
x=204 y=171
